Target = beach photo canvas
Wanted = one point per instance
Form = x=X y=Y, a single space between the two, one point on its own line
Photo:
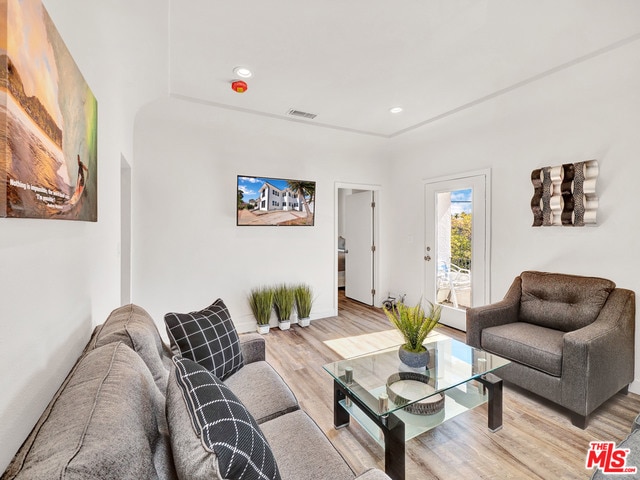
x=48 y=121
x=275 y=201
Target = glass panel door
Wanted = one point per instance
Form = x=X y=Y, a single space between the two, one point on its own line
x=455 y=214
x=456 y=246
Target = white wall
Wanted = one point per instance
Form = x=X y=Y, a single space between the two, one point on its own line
x=61 y=278
x=188 y=250
x=588 y=111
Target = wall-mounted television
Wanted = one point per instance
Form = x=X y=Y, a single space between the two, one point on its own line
x=266 y=201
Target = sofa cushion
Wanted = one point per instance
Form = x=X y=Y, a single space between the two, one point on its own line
x=531 y=345
x=207 y=337
x=263 y=391
x=315 y=458
x=108 y=422
x=231 y=444
x=563 y=302
x=133 y=326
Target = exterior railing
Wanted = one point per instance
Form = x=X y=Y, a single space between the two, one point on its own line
x=462 y=262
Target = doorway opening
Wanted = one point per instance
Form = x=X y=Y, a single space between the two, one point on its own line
x=125 y=231
x=356 y=252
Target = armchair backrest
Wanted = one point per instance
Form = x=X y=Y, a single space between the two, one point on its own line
x=560 y=301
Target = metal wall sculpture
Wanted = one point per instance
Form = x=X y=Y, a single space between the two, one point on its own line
x=565 y=195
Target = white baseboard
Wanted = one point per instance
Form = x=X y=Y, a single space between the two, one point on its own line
x=247 y=323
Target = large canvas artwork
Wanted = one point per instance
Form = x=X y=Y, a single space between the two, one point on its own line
x=48 y=121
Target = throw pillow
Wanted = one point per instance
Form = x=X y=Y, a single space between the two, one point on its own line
x=224 y=426
x=207 y=337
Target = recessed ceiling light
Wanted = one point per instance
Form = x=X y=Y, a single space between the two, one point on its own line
x=395 y=109
x=242 y=72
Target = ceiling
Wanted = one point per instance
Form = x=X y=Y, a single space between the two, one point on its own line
x=350 y=61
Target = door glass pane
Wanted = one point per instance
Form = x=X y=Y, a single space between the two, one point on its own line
x=454 y=212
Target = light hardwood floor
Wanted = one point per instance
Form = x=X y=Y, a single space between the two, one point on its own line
x=537 y=440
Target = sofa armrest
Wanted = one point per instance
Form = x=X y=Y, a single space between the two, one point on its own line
x=636 y=424
x=600 y=356
x=373 y=474
x=253 y=347
x=499 y=313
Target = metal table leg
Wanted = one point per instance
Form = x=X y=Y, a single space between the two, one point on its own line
x=392 y=428
x=494 y=386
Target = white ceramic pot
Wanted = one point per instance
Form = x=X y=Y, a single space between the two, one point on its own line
x=304 y=322
x=284 y=325
x=262 y=329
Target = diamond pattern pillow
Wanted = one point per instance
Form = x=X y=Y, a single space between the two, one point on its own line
x=224 y=425
x=207 y=337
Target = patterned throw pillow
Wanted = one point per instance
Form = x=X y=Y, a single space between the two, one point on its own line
x=224 y=425
x=207 y=337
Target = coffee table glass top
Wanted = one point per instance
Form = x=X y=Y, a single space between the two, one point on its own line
x=385 y=385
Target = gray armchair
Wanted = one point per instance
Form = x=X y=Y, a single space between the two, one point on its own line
x=570 y=338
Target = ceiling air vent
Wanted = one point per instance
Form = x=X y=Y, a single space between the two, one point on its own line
x=298 y=113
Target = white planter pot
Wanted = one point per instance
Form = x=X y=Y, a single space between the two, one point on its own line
x=304 y=322
x=284 y=325
x=262 y=329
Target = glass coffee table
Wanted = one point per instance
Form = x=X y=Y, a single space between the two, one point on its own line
x=395 y=403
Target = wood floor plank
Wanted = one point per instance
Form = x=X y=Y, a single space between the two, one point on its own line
x=537 y=441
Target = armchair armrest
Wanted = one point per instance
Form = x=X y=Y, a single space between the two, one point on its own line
x=499 y=313
x=253 y=347
x=600 y=356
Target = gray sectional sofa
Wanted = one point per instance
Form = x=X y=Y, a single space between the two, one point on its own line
x=118 y=415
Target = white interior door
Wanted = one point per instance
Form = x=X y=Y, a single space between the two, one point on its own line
x=359 y=245
x=457 y=245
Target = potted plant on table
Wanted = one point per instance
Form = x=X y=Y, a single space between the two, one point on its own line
x=414 y=323
x=303 y=300
x=283 y=299
x=261 y=303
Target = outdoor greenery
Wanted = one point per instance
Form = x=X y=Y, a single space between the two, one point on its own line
x=305 y=189
x=303 y=300
x=461 y=239
x=414 y=323
x=283 y=299
x=261 y=302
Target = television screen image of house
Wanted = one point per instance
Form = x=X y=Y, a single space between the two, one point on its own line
x=275 y=201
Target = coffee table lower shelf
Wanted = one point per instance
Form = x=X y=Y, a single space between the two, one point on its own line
x=394 y=429
x=456 y=402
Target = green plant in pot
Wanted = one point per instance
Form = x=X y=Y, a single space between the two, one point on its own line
x=261 y=303
x=283 y=299
x=303 y=300
x=414 y=323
